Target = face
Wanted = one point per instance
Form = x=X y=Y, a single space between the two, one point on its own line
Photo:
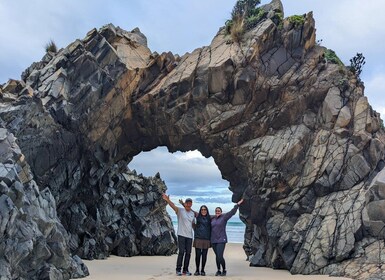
x=203 y=211
x=188 y=205
x=218 y=211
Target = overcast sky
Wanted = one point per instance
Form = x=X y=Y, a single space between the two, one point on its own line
x=180 y=26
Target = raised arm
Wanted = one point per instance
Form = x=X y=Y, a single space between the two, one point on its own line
x=181 y=202
x=172 y=205
x=232 y=212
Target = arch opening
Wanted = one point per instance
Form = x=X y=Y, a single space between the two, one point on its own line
x=190 y=174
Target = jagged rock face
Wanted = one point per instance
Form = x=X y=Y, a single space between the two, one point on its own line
x=105 y=207
x=124 y=215
x=34 y=244
x=292 y=133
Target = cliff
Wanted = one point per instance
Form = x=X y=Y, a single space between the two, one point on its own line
x=289 y=129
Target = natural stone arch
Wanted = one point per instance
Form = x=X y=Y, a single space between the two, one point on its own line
x=291 y=132
x=190 y=174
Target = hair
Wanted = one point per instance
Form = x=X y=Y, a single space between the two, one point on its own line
x=200 y=210
x=218 y=208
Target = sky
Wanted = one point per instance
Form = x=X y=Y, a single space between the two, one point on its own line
x=345 y=26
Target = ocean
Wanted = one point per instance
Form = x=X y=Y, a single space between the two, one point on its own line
x=235 y=229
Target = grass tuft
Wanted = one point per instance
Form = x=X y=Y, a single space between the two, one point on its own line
x=51 y=46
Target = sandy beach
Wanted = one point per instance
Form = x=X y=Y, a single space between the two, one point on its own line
x=163 y=268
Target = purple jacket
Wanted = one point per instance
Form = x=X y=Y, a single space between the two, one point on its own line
x=218 y=226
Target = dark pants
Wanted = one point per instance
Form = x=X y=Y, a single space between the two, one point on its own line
x=219 y=249
x=198 y=254
x=184 y=246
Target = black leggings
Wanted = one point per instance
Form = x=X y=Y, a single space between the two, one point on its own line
x=219 y=249
x=198 y=254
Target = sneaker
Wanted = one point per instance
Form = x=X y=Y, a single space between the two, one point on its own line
x=218 y=273
x=224 y=273
x=187 y=273
x=178 y=273
x=203 y=273
x=196 y=273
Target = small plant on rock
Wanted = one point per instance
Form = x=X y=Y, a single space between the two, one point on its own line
x=244 y=16
x=278 y=19
x=237 y=29
x=51 y=47
x=297 y=20
x=255 y=16
x=330 y=56
x=356 y=64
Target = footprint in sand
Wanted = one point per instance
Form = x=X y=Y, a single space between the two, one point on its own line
x=167 y=271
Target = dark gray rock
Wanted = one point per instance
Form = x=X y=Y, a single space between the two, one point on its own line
x=34 y=244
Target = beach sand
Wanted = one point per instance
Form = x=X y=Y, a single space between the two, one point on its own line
x=163 y=268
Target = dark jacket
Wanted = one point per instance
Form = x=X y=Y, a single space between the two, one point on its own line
x=218 y=226
x=203 y=227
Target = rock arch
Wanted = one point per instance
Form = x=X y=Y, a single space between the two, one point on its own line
x=292 y=132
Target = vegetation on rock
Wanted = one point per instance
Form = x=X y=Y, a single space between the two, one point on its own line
x=244 y=16
x=331 y=56
x=278 y=19
x=51 y=46
x=356 y=64
x=297 y=20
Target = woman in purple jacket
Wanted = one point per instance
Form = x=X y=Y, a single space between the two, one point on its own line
x=219 y=236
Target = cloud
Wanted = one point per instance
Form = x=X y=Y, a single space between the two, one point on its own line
x=185 y=174
x=189 y=155
x=219 y=200
x=209 y=192
x=174 y=26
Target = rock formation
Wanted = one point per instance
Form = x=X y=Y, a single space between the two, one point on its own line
x=289 y=129
x=34 y=244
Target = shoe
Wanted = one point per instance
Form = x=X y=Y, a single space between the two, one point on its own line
x=218 y=273
x=203 y=273
x=224 y=273
x=178 y=273
x=187 y=273
x=196 y=273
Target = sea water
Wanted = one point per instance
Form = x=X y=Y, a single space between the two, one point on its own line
x=235 y=229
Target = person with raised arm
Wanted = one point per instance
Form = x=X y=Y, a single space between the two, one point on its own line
x=219 y=236
x=185 y=217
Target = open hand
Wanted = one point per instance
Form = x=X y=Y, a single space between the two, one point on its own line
x=166 y=197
